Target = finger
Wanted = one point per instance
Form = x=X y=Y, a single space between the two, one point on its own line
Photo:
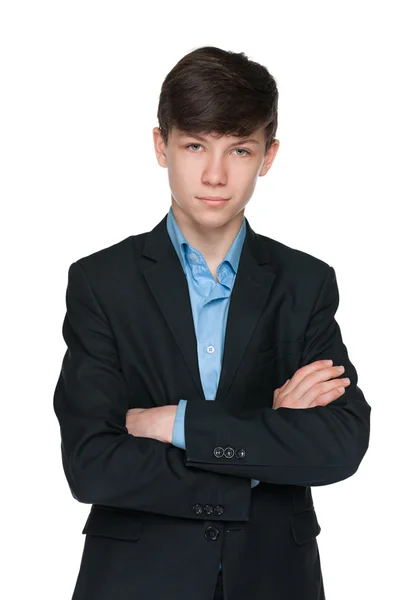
x=324 y=392
x=303 y=383
x=303 y=372
x=328 y=397
x=278 y=390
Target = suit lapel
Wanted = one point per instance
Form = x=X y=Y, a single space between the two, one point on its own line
x=167 y=282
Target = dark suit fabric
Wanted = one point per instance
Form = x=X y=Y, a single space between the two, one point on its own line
x=163 y=518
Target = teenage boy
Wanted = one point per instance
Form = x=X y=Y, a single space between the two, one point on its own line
x=195 y=401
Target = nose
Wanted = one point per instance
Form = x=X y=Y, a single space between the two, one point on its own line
x=214 y=173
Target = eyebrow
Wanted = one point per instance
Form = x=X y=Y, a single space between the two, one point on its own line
x=203 y=139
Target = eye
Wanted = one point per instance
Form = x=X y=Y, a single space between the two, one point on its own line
x=241 y=149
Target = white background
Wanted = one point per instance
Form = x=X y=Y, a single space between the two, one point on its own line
x=80 y=83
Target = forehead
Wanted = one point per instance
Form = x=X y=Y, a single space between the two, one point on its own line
x=256 y=137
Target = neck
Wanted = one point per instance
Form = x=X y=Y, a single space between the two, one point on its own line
x=213 y=242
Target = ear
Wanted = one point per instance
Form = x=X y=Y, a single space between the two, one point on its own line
x=269 y=158
x=159 y=147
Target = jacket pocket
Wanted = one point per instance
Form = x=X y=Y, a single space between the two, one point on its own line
x=305 y=526
x=111 y=524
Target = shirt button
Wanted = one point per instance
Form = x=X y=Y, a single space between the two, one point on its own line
x=210 y=349
x=193 y=256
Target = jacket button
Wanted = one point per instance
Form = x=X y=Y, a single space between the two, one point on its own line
x=219 y=510
x=197 y=509
x=218 y=452
x=211 y=533
x=240 y=453
x=229 y=452
x=208 y=509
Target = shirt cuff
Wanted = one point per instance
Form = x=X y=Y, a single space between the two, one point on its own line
x=178 y=432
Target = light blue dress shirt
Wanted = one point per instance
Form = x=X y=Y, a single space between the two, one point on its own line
x=210 y=303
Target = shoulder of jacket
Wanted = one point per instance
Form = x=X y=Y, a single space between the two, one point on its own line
x=115 y=258
x=293 y=260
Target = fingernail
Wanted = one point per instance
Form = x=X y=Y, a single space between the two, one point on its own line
x=328 y=362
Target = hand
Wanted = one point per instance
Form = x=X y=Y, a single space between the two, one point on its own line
x=156 y=423
x=310 y=386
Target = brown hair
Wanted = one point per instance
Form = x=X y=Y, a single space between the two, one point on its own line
x=218 y=91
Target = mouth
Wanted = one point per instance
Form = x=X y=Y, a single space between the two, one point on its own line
x=214 y=200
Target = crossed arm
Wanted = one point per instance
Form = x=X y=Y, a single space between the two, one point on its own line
x=104 y=464
x=310 y=386
x=156 y=423
x=304 y=447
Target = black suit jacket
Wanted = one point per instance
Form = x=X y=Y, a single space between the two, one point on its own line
x=163 y=518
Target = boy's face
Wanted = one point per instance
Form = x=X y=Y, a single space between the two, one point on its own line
x=227 y=167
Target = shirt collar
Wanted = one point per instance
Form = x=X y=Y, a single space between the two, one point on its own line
x=179 y=241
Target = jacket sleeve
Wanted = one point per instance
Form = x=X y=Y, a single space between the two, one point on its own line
x=102 y=462
x=178 y=432
x=315 y=446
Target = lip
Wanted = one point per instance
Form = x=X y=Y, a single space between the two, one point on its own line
x=214 y=198
x=214 y=201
